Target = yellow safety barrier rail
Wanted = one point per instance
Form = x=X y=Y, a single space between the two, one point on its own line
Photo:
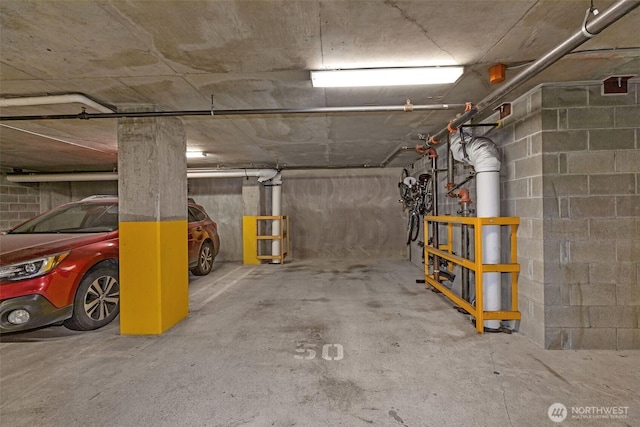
x=250 y=238
x=445 y=251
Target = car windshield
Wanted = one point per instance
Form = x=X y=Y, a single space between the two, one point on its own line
x=76 y=218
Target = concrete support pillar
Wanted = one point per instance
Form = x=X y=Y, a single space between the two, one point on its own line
x=152 y=187
x=252 y=195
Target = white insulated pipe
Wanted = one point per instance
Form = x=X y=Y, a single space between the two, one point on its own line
x=488 y=205
x=262 y=175
x=483 y=155
x=276 y=210
x=72 y=98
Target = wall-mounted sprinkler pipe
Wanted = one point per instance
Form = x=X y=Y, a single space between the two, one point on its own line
x=433 y=154
x=450 y=169
x=587 y=30
x=265 y=111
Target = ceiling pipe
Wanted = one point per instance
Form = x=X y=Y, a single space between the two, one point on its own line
x=394 y=154
x=262 y=175
x=588 y=30
x=408 y=107
x=71 y=98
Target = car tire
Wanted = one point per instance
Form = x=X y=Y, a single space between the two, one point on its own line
x=205 y=260
x=97 y=300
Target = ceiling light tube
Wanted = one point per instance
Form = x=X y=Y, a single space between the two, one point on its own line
x=386 y=76
x=195 y=154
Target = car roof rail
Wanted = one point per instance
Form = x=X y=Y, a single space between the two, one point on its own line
x=101 y=196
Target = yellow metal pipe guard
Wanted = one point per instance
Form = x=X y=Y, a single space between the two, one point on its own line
x=445 y=251
x=250 y=238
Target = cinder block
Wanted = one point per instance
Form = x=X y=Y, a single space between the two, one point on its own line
x=628 y=206
x=561 y=141
x=532 y=290
x=565 y=185
x=613 y=228
x=561 y=97
x=628 y=339
x=590 y=251
x=529 y=208
x=530 y=166
x=596 y=98
x=555 y=207
x=535 y=143
x=620 y=183
x=8 y=198
x=557 y=294
x=553 y=119
x=627 y=117
x=536 y=187
x=567 y=229
x=528 y=126
x=593 y=339
x=628 y=294
x=530 y=248
x=515 y=189
x=566 y=316
x=29 y=199
x=627 y=250
x=563 y=120
x=613 y=317
x=627 y=161
x=591 y=162
x=580 y=339
x=589 y=295
x=612 y=273
x=550 y=163
x=593 y=118
x=592 y=207
x=611 y=139
x=515 y=151
x=557 y=339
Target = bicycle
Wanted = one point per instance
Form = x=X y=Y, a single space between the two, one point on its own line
x=417 y=197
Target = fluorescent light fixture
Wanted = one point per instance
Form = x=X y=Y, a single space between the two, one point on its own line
x=195 y=154
x=386 y=76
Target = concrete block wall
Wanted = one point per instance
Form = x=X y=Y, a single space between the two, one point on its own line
x=18 y=202
x=571 y=173
x=591 y=198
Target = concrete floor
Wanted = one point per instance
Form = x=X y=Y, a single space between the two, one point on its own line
x=318 y=343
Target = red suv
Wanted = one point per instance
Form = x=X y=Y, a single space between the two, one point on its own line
x=62 y=266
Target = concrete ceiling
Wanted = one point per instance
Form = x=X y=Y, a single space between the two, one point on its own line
x=176 y=55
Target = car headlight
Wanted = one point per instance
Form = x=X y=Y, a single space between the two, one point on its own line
x=32 y=268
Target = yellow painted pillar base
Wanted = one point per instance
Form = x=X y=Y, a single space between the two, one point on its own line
x=154 y=276
x=249 y=240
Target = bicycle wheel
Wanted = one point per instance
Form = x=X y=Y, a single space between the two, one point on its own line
x=413 y=227
x=401 y=185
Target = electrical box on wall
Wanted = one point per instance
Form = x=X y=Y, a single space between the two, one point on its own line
x=616 y=85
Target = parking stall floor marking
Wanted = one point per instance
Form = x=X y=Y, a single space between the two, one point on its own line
x=224 y=289
x=215 y=282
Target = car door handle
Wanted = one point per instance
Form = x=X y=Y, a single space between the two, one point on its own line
x=198 y=228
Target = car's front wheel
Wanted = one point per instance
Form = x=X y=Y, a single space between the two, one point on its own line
x=205 y=260
x=97 y=300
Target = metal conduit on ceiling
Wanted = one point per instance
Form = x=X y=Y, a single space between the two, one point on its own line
x=588 y=30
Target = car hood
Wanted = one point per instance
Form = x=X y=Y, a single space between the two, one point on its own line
x=22 y=247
